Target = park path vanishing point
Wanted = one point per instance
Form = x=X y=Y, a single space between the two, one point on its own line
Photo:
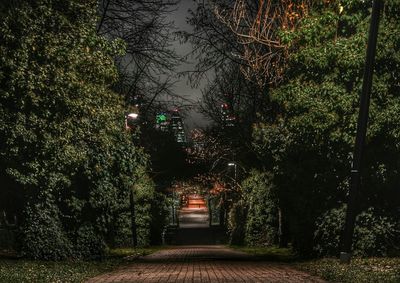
x=204 y=264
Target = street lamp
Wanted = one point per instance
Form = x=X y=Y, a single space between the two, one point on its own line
x=351 y=212
x=131 y=121
x=233 y=164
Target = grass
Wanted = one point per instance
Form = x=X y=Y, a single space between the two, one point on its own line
x=23 y=270
x=360 y=270
x=382 y=269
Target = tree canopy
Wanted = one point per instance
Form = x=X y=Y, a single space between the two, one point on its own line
x=63 y=144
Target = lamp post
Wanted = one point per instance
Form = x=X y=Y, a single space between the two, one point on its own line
x=131 y=121
x=234 y=165
x=133 y=218
x=351 y=213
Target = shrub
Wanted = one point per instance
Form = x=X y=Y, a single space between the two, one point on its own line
x=254 y=219
x=89 y=242
x=159 y=218
x=237 y=223
x=374 y=234
x=262 y=216
x=122 y=236
x=43 y=234
x=144 y=194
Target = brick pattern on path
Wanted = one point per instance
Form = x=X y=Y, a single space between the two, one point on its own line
x=204 y=264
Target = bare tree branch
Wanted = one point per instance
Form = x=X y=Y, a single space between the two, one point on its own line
x=258 y=28
x=147 y=69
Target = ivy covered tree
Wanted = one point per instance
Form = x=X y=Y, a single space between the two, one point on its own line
x=64 y=155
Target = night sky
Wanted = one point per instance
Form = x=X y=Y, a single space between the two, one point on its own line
x=182 y=87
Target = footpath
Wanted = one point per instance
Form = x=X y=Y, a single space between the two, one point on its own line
x=204 y=264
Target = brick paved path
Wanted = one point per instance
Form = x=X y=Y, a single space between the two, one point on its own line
x=204 y=264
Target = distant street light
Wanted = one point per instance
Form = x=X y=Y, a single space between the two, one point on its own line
x=233 y=164
x=131 y=121
x=133 y=116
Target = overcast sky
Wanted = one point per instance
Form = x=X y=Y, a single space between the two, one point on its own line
x=182 y=87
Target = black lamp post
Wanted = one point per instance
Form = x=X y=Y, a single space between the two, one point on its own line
x=351 y=212
x=131 y=121
x=233 y=164
x=133 y=218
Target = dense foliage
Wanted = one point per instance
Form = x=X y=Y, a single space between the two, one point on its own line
x=254 y=220
x=305 y=129
x=375 y=234
x=68 y=165
x=309 y=138
x=281 y=153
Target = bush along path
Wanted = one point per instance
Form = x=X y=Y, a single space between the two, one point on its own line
x=205 y=264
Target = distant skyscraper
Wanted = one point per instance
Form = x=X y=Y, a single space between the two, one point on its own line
x=228 y=119
x=162 y=122
x=172 y=122
x=177 y=127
